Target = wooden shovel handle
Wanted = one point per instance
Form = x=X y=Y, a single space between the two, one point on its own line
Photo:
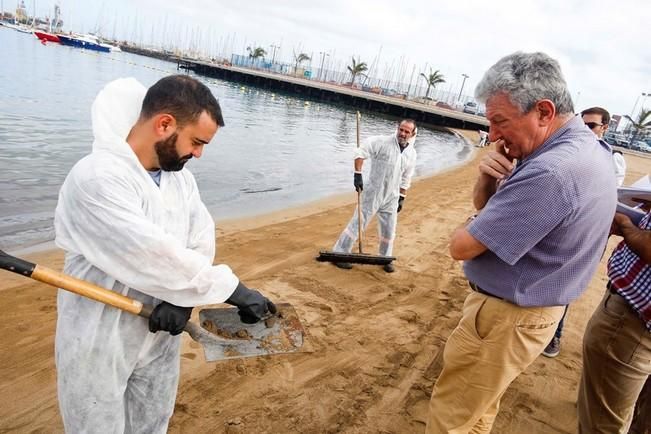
x=72 y=284
x=87 y=289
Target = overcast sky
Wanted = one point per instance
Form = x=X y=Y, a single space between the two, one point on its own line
x=604 y=47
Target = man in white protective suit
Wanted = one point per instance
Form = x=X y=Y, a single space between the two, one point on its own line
x=393 y=161
x=130 y=219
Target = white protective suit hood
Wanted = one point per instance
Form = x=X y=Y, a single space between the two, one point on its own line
x=114 y=112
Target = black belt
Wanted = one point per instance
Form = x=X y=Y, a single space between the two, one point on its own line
x=476 y=288
x=611 y=288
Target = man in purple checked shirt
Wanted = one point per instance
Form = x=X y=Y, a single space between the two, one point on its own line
x=535 y=244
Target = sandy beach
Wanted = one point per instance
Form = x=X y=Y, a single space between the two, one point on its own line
x=375 y=339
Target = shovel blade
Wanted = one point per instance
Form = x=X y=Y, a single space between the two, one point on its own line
x=230 y=338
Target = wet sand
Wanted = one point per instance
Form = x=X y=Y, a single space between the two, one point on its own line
x=376 y=339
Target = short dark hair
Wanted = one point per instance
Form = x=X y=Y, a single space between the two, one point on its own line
x=605 y=116
x=183 y=97
x=409 y=121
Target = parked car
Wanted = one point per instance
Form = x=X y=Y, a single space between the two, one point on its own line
x=424 y=100
x=639 y=145
x=444 y=105
x=617 y=139
x=470 y=107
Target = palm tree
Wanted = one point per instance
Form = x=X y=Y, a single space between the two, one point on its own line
x=432 y=80
x=356 y=68
x=643 y=122
x=254 y=53
x=300 y=58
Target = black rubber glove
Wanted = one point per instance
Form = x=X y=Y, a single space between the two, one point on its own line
x=252 y=305
x=358 y=182
x=169 y=318
x=400 y=201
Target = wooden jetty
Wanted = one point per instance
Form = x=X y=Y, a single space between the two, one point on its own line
x=337 y=93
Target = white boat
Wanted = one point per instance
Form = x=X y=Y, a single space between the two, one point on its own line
x=87 y=41
x=18 y=27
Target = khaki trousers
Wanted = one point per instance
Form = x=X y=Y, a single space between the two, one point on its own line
x=494 y=342
x=616 y=364
x=642 y=415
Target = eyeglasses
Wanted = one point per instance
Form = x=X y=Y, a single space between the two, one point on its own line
x=593 y=125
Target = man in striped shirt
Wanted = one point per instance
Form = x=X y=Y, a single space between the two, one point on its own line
x=617 y=341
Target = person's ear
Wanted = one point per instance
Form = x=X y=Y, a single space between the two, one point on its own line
x=546 y=111
x=164 y=124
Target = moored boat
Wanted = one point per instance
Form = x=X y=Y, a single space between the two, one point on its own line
x=88 y=42
x=45 y=36
x=18 y=27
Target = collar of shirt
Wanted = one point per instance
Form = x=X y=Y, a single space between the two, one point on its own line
x=571 y=124
x=574 y=122
x=402 y=148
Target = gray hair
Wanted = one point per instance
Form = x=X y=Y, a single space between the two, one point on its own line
x=527 y=78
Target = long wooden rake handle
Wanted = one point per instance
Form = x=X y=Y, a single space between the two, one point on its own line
x=359 y=196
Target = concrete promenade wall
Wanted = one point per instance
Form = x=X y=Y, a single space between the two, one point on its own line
x=336 y=93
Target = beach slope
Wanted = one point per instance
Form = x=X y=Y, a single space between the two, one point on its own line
x=376 y=339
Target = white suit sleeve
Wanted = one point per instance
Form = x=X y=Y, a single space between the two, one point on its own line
x=102 y=220
x=620 y=168
x=366 y=150
x=408 y=173
x=201 y=238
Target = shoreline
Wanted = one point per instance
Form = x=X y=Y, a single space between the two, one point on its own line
x=230 y=225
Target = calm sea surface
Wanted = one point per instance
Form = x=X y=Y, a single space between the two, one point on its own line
x=276 y=151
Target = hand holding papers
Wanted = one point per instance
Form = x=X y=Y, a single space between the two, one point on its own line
x=634 y=213
x=632 y=200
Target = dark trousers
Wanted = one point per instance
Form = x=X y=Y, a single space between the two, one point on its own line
x=561 y=323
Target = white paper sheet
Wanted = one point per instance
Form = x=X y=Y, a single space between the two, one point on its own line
x=635 y=214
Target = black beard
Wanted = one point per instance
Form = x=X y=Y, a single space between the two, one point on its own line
x=168 y=158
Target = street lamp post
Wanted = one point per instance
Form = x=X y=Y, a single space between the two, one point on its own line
x=644 y=95
x=462 y=84
x=323 y=56
x=273 y=56
x=636 y=101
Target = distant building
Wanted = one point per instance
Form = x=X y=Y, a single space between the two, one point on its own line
x=7 y=16
x=21 y=13
x=614 y=122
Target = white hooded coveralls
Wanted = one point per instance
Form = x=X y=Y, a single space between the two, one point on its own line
x=391 y=170
x=123 y=232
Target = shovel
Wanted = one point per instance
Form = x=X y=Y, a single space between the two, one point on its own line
x=223 y=335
